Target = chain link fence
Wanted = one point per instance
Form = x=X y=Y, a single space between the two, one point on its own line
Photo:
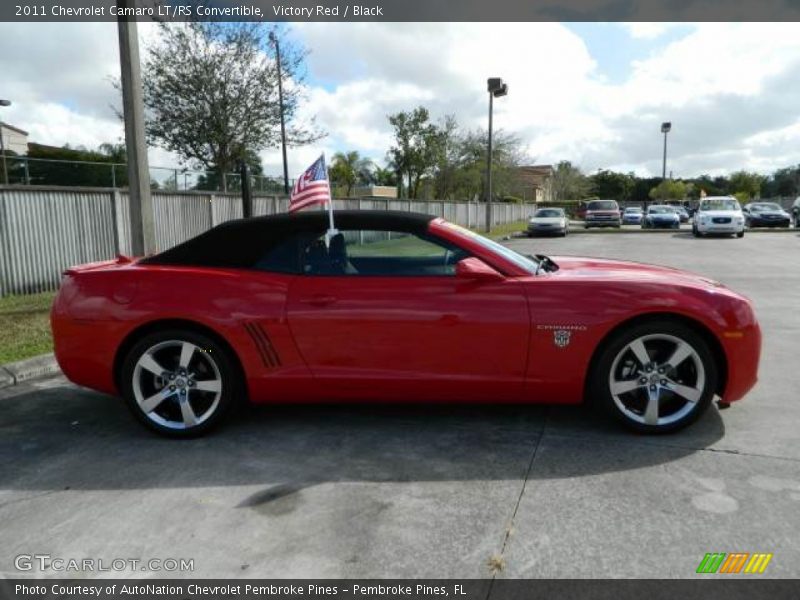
x=23 y=170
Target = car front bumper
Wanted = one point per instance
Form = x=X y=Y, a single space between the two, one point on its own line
x=770 y=222
x=545 y=229
x=720 y=227
x=663 y=224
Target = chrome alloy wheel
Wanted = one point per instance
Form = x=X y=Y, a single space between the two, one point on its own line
x=177 y=385
x=657 y=379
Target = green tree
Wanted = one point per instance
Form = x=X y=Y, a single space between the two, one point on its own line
x=384 y=176
x=783 y=182
x=349 y=169
x=75 y=166
x=416 y=146
x=210 y=180
x=211 y=92
x=507 y=154
x=747 y=184
x=611 y=185
x=569 y=183
x=668 y=189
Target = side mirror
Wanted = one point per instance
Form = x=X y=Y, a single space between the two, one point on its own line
x=476 y=270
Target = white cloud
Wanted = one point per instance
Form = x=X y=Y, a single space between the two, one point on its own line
x=647 y=31
x=729 y=89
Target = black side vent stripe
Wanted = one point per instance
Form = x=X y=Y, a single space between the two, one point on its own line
x=264 y=345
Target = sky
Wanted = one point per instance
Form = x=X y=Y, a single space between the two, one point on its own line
x=591 y=93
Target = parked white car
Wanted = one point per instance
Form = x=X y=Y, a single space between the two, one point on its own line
x=548 y=221
x=718 y=214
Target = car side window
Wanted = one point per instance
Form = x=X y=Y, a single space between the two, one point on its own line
x=286 y=255
x=381 y=254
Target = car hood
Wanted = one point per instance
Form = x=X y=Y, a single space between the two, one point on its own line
x=668 y=216
x=547 y=220
x=579 y=267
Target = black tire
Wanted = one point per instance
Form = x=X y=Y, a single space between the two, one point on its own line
x=600 y=386
x=740 y=234
x=208 y=356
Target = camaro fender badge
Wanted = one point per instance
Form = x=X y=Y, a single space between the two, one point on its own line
x=562 y=334
x=561 y=337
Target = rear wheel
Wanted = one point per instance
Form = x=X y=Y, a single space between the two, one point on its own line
x=656 y=377
x=178 y=383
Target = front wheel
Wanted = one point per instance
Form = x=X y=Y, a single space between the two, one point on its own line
x=178 y=383
x=656 y=377
x=740 y=234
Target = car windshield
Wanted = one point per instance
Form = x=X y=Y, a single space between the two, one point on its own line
x=659 y=210
x=602 y=205
x=549 y=212
x=521 y=261
x=719 y=204
x=764 y=206
x=633 y=209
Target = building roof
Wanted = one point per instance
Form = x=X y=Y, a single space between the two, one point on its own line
x=534 y=175
x=5 y=125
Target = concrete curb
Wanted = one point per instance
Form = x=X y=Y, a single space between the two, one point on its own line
x=23 y=370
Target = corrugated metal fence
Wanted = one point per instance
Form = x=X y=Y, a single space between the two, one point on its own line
x=45 y=230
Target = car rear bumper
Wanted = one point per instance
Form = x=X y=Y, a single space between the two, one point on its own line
x=85 y=350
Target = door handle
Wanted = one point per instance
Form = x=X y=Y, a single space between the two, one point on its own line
x=319 y=300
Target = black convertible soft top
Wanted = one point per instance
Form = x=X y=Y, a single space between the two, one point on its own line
x=243 y=241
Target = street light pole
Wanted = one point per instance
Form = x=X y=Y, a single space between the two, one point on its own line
x=496 y=89
x=489 y=169
x=3 y=146
x=665 y=129
x=274 y=39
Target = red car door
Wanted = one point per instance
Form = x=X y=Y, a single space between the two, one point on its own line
x=407 y=337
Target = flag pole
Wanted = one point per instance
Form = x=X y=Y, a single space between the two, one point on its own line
x=331 y=227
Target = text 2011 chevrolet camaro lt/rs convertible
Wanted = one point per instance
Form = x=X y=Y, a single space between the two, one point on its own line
x=396 y=307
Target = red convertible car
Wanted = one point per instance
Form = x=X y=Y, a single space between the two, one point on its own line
x=396 y=307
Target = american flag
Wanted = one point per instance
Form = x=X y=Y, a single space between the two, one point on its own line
x=312 y=187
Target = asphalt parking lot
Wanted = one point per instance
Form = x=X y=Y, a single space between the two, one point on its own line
x=344 y=491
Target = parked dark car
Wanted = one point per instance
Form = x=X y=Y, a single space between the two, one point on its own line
x=765 y=214
x=661 y=216
x=602 y=213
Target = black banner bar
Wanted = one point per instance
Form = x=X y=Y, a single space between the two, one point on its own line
x=734 y=587
x=404 y=10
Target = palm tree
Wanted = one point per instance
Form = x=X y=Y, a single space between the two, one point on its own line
x=349 y=169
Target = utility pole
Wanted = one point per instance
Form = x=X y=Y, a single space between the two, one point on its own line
x=274 y=39
x=143 y=239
